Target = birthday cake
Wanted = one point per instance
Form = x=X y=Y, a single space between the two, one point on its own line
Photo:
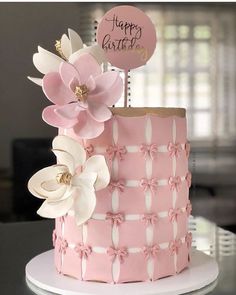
x=119 y=191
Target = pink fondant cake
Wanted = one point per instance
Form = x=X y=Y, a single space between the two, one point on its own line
x=139 y=229
x=119 y=190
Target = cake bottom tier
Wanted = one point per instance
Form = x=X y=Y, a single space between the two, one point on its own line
x=114 y=264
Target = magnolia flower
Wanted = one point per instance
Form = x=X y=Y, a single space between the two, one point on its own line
x=70 y=185
x=81 y=94
x=69 y=48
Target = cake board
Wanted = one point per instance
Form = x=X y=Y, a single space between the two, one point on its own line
x=42 y=276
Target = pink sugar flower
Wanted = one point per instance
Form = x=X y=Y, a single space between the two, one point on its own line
x=81 y=94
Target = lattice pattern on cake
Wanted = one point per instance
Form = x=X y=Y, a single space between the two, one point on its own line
x=138 y=231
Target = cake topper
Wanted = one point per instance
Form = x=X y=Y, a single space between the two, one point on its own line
x=128 y=38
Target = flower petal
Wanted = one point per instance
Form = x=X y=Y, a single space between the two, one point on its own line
x=87 y=66
x=85 y=179
x=67 y=194
x=45 y=61
x=73 y=83
x=55 y=90
x=37 y=81
x=75 y=40
x=84 y=205
x=51 y=185
x=90 y=83
x=36 y=187
x=87 y=127
x=98 y=164
x=65 y=46
x=69 y=111
x=99 y=111
x=109 y=88
x=66 y=159
x=57 y=209
x=68 y=72
x=51 y=117
x=71 y=146
x=95 y=50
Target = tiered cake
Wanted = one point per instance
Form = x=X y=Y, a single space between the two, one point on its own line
x=120 y=189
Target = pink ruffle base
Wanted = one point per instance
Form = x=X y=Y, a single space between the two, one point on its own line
x=139 y=230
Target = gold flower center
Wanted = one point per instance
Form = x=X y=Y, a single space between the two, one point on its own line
x=64 y=178
x=81 y=92
x=59 y=50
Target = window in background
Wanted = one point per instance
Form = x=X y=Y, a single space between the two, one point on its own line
x=193 y=67
x=186 y=73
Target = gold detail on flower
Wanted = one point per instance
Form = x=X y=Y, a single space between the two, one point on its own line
x=64 y=178
x=81 y=92
x=59 y=50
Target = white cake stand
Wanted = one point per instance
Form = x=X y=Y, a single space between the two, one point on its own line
x=43 y=278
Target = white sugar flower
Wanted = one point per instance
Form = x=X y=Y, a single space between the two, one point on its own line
x=70 y=185
x=69 y=48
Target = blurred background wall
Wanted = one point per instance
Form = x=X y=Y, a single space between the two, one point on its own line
x=194 y=66
x=23 y=26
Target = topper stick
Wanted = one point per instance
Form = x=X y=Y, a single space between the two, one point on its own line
x=126 y=89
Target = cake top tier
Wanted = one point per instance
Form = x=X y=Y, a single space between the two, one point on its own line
x=137 y=112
